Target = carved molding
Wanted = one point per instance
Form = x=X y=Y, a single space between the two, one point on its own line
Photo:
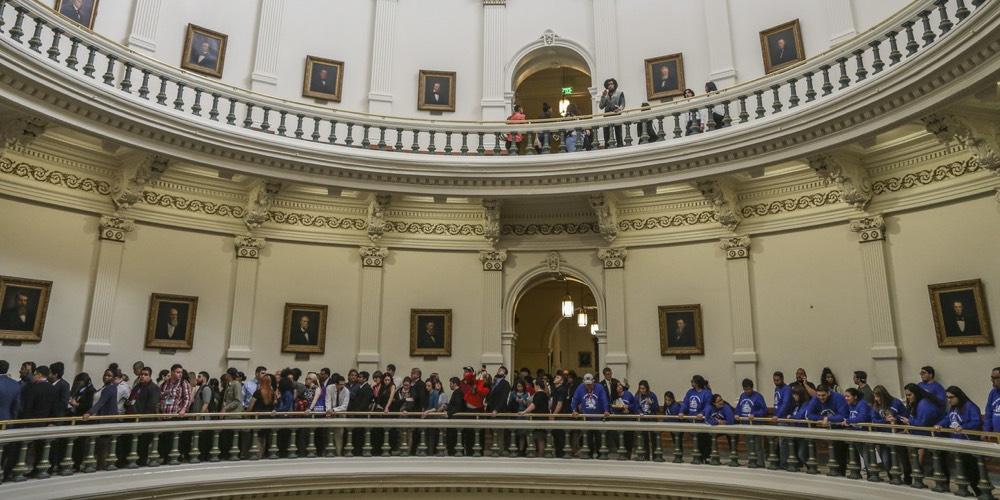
x=982 y=137
x=20 y=128
x=871 y=228
x=137 y=173
x=722 y=196
x=554 y=229
x=554 y=262
x=502 y=3
x=605 y=209
x=54 y=177
x=193 y=205
x=666 y=221
x=259 y=202
x=376 y=216
x=491 y=220
x=791 y=205
x=493 y=259
x=115 y=227
x=613 y=258
x=248 y=246
x=310 y=220
x=373 y=256
x=736 y=247
x=848 y=174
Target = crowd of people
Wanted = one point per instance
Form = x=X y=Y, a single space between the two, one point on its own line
x=42 y=392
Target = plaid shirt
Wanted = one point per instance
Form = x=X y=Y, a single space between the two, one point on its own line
x=175 y=396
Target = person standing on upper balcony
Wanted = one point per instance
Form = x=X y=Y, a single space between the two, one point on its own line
x=695 y=117
x=612 y=102
x=514 y=139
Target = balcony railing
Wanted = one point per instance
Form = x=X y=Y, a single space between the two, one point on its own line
x=898 y=455
x=112 y=70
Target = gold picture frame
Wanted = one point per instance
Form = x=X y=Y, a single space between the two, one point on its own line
x=425 y=91
x=430 y=332
x=316 y=87
x=84 y=15
x=171 y=321
x=660 y=86
x=961 y=318
x=781 y=46
x=304 y=328
x=678 y=338
x=23 y=305
x=212 y=60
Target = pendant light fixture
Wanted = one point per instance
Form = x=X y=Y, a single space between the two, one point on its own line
x=594 y=328
x=581 y=318
x=567 y=302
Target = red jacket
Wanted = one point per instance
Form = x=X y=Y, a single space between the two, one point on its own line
x=474 y=392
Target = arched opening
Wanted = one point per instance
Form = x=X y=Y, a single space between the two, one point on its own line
x=556 y=75
x=545 y=337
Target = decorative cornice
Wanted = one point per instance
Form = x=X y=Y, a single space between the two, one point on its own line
x=115 y=227
x=848 y=174
x=373 y=256
x=491 y=220
x=791 y=205
x=493 y=259
x=722 y=196
x=54 y=177
x=553 y=229
x=736 y=247
x=431 y=228
x=982 y=137
x=310 y=220
x=665 y=221
x=376 y=216
x=20 y=129
x=259 y=202
x=137 y=172
x=613 y=258
x=607 y=219
x=925 y=177
x=871 y=228
x=248 y=246
x=197 y=206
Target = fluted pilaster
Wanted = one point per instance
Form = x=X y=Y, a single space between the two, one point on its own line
x=494 y=28
x=145 y=19
x=111 y=247
x=265 y=64
x=720 y=43
x=247 y=250
x=840 y=20
x=383 y=46
x=370 y=325
x=737 y=249
x=605 y=40
x=614 y=353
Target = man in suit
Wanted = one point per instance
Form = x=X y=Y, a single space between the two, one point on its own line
x=436 y=95
x=430 y=338
x=19 y=318
x=667 y=81
x=173 y=328
x=962 y=323
x=496 y=400
x=323 y=82
x=204 y=56
x=78 y=10
x=682 y=335
x=304 y=334
x=361 y=401
x=56 y=371
x=10 y=393
x=609 y=383
x=39 y=398
x=782 y=52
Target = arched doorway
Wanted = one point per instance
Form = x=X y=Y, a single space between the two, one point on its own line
x=554 y=73
x=548 y=340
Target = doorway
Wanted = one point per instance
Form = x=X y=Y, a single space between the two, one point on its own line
x=554 y=75
x=547 y=339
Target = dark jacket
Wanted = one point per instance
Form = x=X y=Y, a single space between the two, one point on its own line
x=62 y=396
x=107 y=403
x=457 y=402
x=10 y=398
x=362 y=400
x=498 y=396
x=39 y=400
x=144 y=399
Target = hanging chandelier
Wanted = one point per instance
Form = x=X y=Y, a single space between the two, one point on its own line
x=567 y=302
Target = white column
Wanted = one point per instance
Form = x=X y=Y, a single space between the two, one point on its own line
x=840 y=20
x=370 y=325
x=605 y=41
x=613 y=350
x=145 y=19
x=383 y=46
x=492 y=307
x=737 y=249
x=111 y=246
x=602 y=354
x=885 y=351
x=719 y=37
x=507 y=342
x=244 y=295
x=265 y=63
x=494 y=27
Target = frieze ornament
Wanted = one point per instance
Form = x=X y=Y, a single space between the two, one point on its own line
x=376 y=216
x=722 y=196
x=373 y=256
x=871 y=228
x=979 y=136
x=138 y=173
x=613 y=258
x=848 y=174
x=736 y=247
x=259 y=202
x=248 y=246
x=493 y=259
x=115 y=227
x=491 y=220
x=607 y=220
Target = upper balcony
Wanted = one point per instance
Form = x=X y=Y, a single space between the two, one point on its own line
x=926 y=56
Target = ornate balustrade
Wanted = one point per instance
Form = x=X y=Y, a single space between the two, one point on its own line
x=882 y=453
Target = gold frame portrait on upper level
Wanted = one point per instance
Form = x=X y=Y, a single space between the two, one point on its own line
x=35 y=295
x=316 y=315
x=422 y=344
x=313 y=86
x=687 y=342
x=675 y=66
x=961 y=318
x=210 y=64
x=781 y=46
x=85 y=8
x=161 y=306
x=424 y=90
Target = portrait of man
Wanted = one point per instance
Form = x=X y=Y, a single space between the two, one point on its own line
x=437 y=91
x=23 y=303
x=680 y=330
x=781 y=46
x=430 y=332
x=204 y=51
x=171 y=321
x=323 y=79
x=960 y=314
x=82 y=12
x=665 y=76
x=305 y=328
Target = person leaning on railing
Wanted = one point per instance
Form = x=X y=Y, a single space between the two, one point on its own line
x=962 y=415
x=590 y=400
x=885 y=410
x=858 y=413
x=697 y=402
x=992 y=421
x=175 y=395
x=645 y=404
x=798 y=410
x=751 y=405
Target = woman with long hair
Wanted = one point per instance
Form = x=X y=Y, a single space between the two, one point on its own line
x=963 y=415
x=885 y=410
x=262 y=401
x=81 y=395
x=829 y=379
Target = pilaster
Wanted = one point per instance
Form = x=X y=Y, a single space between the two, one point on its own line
x=492 y=307
x=247 y=250
x=111 y=247
x=265 y=64
x=737 y=250
x=605 y=42
x=507 y=342
x=884 y=350
x=383 y=46
x=840 y=20
x=494 y=28
x=145 y=19
x=370 y=324
x=720 y=43
x=613 y=352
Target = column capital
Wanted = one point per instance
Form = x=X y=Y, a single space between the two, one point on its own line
x=602 y=336
x=115 y=227
x=373 y=256
x=489 y=3
x=736 y=247
x=613 y=258
x=493 y=259
x=508 y=337
x=871 y=228
x=248 y=246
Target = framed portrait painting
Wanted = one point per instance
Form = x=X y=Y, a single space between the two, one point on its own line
x=82 y=12
x=665 y=76
x=171 y=321
x=304 y=329
x=204 y=51
x=680 y=330
x=23 y=304
x=323 y=79
x=781 y=46
x=961 y=318
x=436 y=91
x=430 y=332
